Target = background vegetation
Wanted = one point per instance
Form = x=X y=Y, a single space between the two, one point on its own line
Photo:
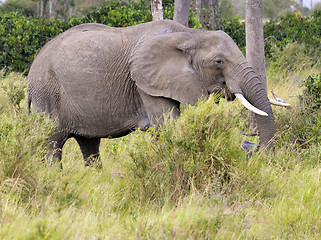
x=21 y=37
x=194 y=181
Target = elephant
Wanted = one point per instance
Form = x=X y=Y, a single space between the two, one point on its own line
x=97 y=81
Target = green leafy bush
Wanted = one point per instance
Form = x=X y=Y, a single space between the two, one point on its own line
x=22 y=37
x=302 y=128
x=311 y=97
x=195 y=153
x=293 y=28
x=293 y=58
x=120 y=14
x=235 y=28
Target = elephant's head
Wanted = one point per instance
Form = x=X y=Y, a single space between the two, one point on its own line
x=185 y=67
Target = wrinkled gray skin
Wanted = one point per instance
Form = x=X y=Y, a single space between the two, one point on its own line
x=97 y=81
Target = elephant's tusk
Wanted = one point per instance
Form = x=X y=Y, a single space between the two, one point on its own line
x=248 y=105
x=279 y=101
x=281 y=104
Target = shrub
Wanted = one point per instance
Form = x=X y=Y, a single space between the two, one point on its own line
x=302 y=128
x=311 y=98
x=21 y=39
x=235 y=28
x=293 y=58
x=120 y=14
x=195 y=153
x=293 y=28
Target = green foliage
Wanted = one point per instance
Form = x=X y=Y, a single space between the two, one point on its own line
x=23 y=140
x=311 y=97
x=197 y=152
x=26 y=7
x=293 y=28
x=273 y=9
x=293 y=58
x=236 y=29
x=120 y=14
x=15 y=92
x=302 y=129
x=311 y=109
x=21 y=38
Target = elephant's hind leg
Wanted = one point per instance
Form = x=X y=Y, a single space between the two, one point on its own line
x=56 y=142
x=90 y=150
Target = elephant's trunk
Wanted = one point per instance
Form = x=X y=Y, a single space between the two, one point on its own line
x=255 y=93
x=253 y=90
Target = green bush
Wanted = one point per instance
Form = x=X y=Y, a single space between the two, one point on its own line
x=302 y=128
x=236 y=29
x=311 y=109
x=293 y=28
x=120 y=14
x=195 y=153
x=22 y=37
x=311 y=98
x=293 y=58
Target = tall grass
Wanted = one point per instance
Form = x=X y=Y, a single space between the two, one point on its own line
x=195 y=153
x=188 y=179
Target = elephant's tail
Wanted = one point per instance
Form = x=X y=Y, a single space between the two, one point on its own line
x=28 y=104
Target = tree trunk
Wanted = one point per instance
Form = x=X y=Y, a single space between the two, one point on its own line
x=181 y=11
x=208 y=14
x=41 y=8
x=72 y=8
x=255 y=43
x=52 y=9
x=157 y=10
x=67 y=8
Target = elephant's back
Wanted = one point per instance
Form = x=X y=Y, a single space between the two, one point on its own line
x=79 y=54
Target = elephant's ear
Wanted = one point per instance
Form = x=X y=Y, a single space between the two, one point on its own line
x=161 y=66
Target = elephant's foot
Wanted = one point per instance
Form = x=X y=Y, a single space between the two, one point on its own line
x=93 y=161
x=54 y=158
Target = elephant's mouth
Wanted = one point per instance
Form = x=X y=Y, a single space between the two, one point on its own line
x=228 y=95
x=223 y=93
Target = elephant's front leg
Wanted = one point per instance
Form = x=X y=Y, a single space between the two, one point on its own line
x=90 y=150
x=156 y=107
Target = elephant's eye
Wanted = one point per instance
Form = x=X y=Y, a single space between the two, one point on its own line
x=219 y=61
